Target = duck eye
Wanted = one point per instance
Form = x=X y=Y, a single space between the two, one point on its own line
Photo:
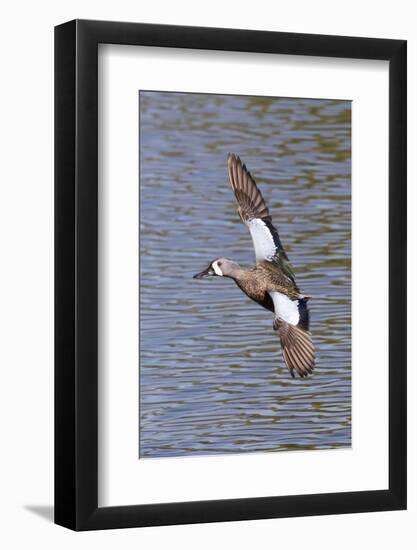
x=219 y=264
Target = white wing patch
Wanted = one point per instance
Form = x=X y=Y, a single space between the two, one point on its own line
x=285 y=308
x=263 y=242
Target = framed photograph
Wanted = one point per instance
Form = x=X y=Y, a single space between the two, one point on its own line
x=230 y=275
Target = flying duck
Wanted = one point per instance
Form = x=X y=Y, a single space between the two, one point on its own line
x=271 y=282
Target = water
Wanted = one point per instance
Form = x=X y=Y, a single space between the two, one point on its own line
x=212 y=376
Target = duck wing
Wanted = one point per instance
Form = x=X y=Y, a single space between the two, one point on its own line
x=255 y=215
x=292 y=324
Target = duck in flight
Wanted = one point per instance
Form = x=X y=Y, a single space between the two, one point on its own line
x=271 y=282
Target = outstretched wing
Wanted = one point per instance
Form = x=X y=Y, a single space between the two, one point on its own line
x=255 y=214
x=292 y=324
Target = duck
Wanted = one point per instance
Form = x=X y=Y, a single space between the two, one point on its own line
x=271 y=281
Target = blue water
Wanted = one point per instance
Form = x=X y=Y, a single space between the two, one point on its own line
x=212 y=376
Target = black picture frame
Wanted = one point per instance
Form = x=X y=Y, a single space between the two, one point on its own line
x=76 y=272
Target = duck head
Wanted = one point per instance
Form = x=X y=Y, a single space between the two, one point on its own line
x=220 y=267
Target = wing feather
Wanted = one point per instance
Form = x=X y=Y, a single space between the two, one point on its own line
x=254 y=213
x=250 y=200
x=297 y=347
x=292 y=324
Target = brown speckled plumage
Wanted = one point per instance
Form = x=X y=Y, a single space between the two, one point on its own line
x=256 y=282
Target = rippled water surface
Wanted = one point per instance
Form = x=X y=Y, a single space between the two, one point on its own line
x=212 y=376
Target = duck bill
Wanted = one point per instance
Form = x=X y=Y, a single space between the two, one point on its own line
x=209 y=272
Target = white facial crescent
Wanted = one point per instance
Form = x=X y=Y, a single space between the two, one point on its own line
x=217 y=269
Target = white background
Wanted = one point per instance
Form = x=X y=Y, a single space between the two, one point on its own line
x=26 y=204
x=122 y=478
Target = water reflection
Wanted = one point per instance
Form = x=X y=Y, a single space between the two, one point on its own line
x=212 y=377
